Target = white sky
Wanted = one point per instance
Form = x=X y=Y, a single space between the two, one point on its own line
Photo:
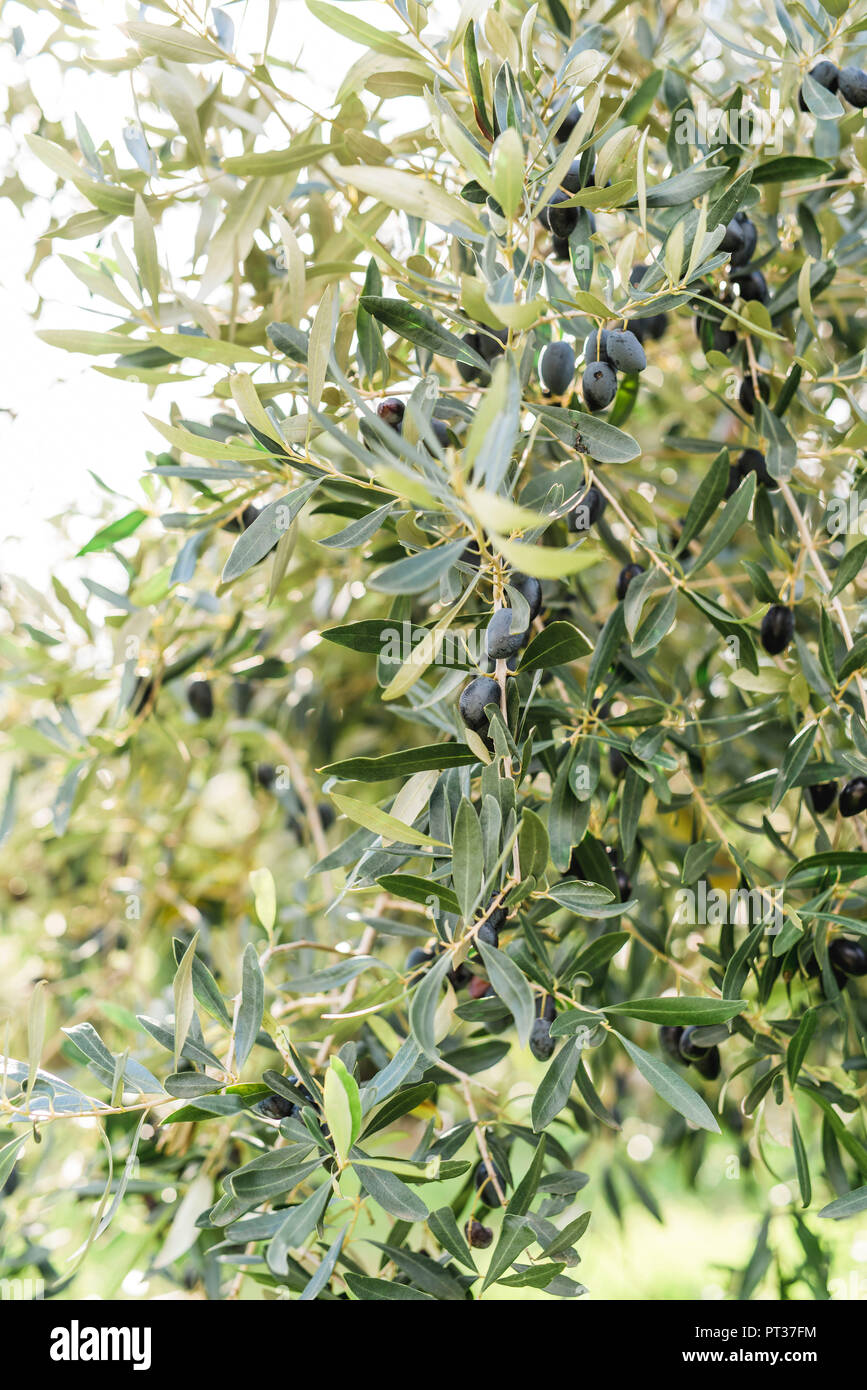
x=59 y=418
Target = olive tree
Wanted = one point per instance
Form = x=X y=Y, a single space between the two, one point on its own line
x=469 y=757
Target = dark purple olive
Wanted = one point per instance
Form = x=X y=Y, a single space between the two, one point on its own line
x=478 y=1236
x=734 y=238
x=853 y=86
x=561 y=222
x=853 y=797
x=483 y=1180
x=625 y=578
x=568 y=124
x=827 y=75
x=669 y=1039
x=690 y=1050
x=591 y=505
x=529 y=586
x=200 y=697
x=778 y=629
x=391 y=412
x=709 y=1065
x=848 y=956
x=489 y=931
x=617 y=764
x=822 y=796
x=752 y=285
x=460 y=977
x=475 y=697
x=753 y=461
x=542 y=1045
x=557 y=367
x=419 y=956
x=624 y=884
x=749 y=240
x=747 y=393
x=599 y=385
x=276 y=1107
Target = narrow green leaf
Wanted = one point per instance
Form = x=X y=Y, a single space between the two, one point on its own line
x=529 y=1184
x=390 y=1193
x=372 y=818
x=794 y=762
x=515 y=1236
x=849 y=568
x=799 y=1045
x=556 y=645
x=263 y=534
x=671 y=1087
x=251 y=1008
x=554 y=1088
x=467 y=858
x=425 y=1001
x=732 y=518
x=511 y=985
x=851 y=1205
x=679 y=1010
x=802 y=1165
x=118 y=530
x=182 y=989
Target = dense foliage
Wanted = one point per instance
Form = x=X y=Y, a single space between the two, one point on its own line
x=466 y=762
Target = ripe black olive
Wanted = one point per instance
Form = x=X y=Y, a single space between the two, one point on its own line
x=201 y=699
x=848 y=956
x=474 y=697
x=625 y=578
x=778 y=629
x=853 y=797
x=485 y=1186
x=822 y=796
x=669 y=1039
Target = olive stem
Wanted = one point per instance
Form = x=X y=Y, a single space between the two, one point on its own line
x=482 y=1142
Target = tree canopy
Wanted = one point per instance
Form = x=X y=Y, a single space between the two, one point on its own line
x=459 y=764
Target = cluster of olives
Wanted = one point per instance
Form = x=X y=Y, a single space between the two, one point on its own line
x=608 y=351
x=853 y=797
x=559 y=221
x=850 y=82
x=681 y=1046
x=488 y=932
x=739 y=244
